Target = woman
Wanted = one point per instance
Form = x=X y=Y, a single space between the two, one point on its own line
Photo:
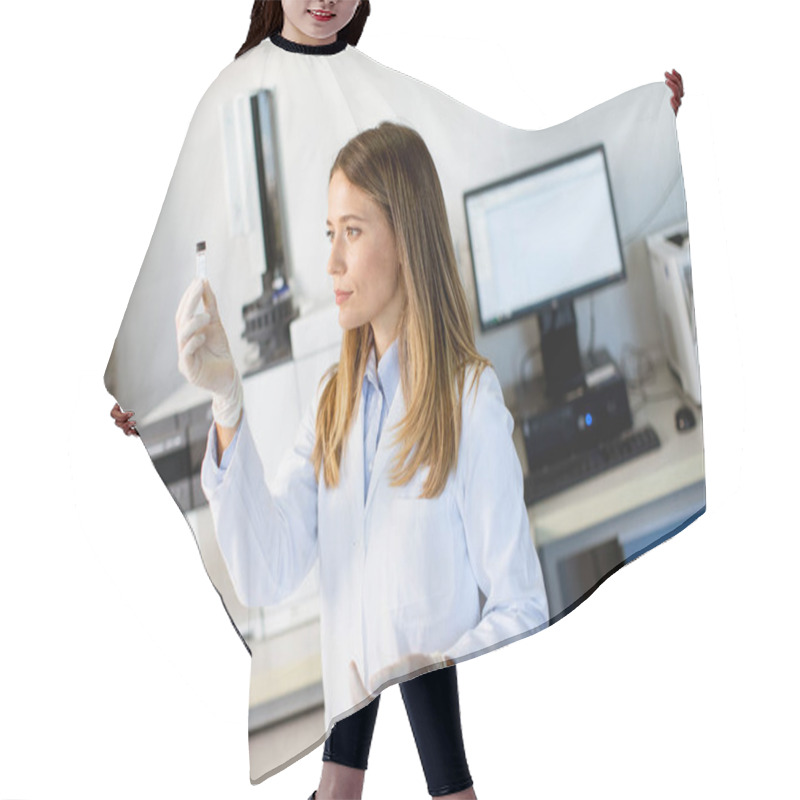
x=321 y=27
x=403 y=482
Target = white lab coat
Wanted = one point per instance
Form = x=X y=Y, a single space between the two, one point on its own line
x=399 y=575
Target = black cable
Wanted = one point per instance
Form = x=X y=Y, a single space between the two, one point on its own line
x=591 y=325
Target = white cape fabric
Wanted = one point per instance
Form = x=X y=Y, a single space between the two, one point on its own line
x=321 y=101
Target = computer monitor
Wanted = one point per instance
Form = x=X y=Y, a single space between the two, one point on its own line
x=538 y=240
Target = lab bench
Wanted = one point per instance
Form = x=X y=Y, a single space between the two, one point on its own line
x=585 y=533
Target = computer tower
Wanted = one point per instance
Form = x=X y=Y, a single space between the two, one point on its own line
x=672 y=275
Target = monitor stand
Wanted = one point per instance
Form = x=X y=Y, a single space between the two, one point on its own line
x=558 y=338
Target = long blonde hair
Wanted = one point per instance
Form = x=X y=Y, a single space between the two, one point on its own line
x=393 y=166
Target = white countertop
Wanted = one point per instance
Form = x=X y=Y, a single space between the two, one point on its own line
x=678 y=463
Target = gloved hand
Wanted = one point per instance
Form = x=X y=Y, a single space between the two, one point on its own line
x=204 y=356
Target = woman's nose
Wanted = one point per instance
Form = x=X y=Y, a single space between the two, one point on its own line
x=336 y=264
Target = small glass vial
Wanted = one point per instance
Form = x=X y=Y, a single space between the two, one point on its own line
x=200 y=261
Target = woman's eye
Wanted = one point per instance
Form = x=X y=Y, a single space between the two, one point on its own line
x=349 y=233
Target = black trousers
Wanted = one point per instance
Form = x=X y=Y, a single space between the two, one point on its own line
x=431 y=702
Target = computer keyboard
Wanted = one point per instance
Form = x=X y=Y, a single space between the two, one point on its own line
x=554 y=478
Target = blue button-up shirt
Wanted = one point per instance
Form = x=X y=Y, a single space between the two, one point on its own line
x=378 y=390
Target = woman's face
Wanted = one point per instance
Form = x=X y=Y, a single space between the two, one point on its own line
x=363 y=262
x=315 y=22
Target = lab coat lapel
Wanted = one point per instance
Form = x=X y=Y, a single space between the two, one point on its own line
x=386 y=449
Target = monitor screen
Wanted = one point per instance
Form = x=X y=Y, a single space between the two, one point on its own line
x=547 y=234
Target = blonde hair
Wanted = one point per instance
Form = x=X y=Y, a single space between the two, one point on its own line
x=393 y=166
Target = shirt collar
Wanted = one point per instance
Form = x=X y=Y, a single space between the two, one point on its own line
x=387 y=374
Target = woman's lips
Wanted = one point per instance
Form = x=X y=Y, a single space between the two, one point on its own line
x=322 y=16
x=341 y=297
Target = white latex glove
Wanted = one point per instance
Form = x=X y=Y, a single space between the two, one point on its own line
x=204 y=356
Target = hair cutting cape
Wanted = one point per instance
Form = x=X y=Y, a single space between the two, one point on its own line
x=319 y=102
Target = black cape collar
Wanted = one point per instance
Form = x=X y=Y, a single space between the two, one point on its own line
x=306 y=49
